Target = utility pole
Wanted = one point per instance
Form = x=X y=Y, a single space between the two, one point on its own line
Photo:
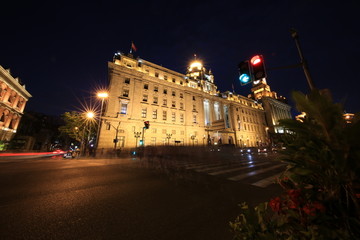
x=303 y=61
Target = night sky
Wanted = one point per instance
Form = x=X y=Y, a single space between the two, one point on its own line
x=60 y=50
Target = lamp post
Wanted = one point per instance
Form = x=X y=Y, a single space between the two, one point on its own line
x=303 y=62
x=88 y=117
x=168 y=136
x=137 y=135
x=193 y=138
x=102 y=96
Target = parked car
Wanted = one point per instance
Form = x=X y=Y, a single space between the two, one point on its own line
x=262 y=150
x=249 y=150
x=69 y=154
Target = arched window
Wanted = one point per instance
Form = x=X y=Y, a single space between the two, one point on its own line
x=2 y=118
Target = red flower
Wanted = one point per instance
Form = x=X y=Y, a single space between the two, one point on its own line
x=275 y=204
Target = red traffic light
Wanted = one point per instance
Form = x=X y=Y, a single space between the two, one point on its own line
x=255 y=60
x=258 y=67
x=146 y=124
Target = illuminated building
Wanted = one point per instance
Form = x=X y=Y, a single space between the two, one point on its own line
x=13 y=98
x=182 y=109
x=275 y=107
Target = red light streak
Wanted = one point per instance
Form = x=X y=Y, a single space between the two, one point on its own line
x=31 y=154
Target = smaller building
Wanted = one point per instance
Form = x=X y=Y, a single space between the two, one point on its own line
x=13 y=98
x=276 y=107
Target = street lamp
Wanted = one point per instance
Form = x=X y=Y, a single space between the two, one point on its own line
x=89 y=116
x=102 y=96
x=137 y=135
x=193 y=138
x=168 y=136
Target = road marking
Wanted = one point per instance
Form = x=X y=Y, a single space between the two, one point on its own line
x=215 y=168
x=237 y=169
x=196 y=167
x=266 y=181
x=243 y=176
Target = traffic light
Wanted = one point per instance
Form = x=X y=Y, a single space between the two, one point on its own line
x=245 y=73
x=146 y=124
x=258 y=67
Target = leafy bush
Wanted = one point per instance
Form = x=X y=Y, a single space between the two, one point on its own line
x=320 y=183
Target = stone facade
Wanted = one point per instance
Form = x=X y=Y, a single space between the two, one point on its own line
x=13 y=98
x=182 y=109
x=275 y=107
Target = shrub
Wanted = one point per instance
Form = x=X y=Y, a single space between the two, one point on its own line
x=320 y=183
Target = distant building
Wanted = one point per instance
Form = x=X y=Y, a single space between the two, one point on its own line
x=348 y=117
x=276 y=108
x=182 y=109
x=13 y=98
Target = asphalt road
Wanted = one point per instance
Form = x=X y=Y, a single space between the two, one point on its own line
x=115 y=199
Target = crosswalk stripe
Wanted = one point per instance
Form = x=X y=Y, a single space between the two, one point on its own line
x=237 y=169
x=249 y=174
x=215 y=168
x=196 y=167
x=266 y=181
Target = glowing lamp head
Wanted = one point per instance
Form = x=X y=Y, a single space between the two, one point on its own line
x=255 y=60
x=102 y=94
x=90 y=115
x=198 y=65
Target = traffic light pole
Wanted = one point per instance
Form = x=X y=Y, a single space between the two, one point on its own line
x=142 y=138
x=303 y=62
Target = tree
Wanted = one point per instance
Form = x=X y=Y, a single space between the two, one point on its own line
x=78 y=126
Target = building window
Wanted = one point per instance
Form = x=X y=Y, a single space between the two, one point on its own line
x=181 y=105
x=154 y=115
x=145 y=98
x=181 y=117
x=164 y=131
x=181 y=82
x=121 y=141
x=156 y=89
x=165 y=91
x=127 y=81
x=173 y=132
x=108 y=126
x=173 y=93
x=164 y=102
x=165 y=77
x=194 y=107
x=156 y=74
x=194 y=98
x=143 y=112
x=226 y=116
x=173 y=80
x=173 y=116
x=155 y=100
x=164 y=115
x=181 y=95
x=153 y=141
x=153 y=130
x=125 y=93
x=146 y=86
x=217 y=111
x=173 y=104
x=123 y=108
x=207 y=112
